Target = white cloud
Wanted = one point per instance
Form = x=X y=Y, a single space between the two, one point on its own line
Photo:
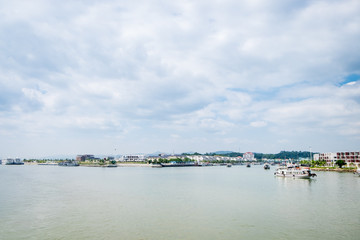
x=258 y=124
x=200 y=70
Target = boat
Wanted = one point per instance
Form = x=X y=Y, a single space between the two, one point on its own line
x=12 y=161
x=357 y=172
x=266 y=166
x=69 y=163
x=156 y=165
x=294 y=171
x=180 y=165
x=248 y=165
x=228 y=165
x=111 y=165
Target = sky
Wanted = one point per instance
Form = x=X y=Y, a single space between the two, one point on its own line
x=130 y=77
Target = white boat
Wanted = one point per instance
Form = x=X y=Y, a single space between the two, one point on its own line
x=294 y=171
x=357 y=172
x=12 y=161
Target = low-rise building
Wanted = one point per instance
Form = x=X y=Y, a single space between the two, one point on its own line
x=350 y=158
x=249 y=157
x=132 y=158
x=82 y=158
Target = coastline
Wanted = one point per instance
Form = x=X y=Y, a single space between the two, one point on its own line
x=333 y=169
x=117 y=165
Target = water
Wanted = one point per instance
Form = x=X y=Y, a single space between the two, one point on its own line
x=51 y=202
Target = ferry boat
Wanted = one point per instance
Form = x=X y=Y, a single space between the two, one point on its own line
x=294 y=171
x=12 y=161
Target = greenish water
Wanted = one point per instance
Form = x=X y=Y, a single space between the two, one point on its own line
x=51 y=202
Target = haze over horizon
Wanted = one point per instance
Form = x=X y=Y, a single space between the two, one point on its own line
x=141 y=76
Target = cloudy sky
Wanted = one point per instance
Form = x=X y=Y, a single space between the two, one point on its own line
x=174 y=76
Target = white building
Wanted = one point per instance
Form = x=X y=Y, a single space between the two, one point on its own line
x=350 y=158
x=132 y=158
x=249 y=156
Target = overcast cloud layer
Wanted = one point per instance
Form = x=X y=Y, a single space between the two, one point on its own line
x=174 y=76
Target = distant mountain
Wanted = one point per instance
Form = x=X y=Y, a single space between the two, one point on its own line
x=190 y=152
x=156 y=154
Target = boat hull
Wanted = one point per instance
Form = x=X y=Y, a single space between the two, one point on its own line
x=180 y=165
x=294 y=172
x=293 y=176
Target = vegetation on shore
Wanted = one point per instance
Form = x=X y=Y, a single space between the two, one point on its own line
x=165 y=160
x=320 y=166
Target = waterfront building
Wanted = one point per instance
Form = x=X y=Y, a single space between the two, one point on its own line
x=330 y=158
x=165 y=156
x=249 y=157
x=196 y=158
x=82 y=158
x=132 y=158
x=350 y=158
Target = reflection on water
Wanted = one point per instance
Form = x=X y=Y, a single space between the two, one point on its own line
x=49 y=202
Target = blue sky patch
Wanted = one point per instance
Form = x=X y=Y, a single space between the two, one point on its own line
x=350 y=78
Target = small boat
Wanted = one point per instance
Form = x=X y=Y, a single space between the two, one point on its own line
x=155 y=165
x=266 y=166
x=228 y=165
x=179 y=164
x=294 y=171
x=248 y=165
x=111 y=165
x=357 y=172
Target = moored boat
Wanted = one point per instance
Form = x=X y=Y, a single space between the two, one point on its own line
x=180 y=165
x=266 y=166
x=357 y=172
x=294 y=171
x=155 y=165
x=69 y=163
x=12 y=161
x=111 y=165
x=248 y=165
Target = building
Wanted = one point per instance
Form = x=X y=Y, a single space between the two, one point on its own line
x=249 y=157
x=350 y=158
x=82 y=158
x=329 y=158
x=132 y=158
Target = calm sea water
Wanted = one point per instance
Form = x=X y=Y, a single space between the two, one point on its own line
x=51 y=202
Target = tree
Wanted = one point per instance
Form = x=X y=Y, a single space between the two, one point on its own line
x=340 y=163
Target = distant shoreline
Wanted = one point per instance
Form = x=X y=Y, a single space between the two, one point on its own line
x=118 y=165
x=321 y=169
